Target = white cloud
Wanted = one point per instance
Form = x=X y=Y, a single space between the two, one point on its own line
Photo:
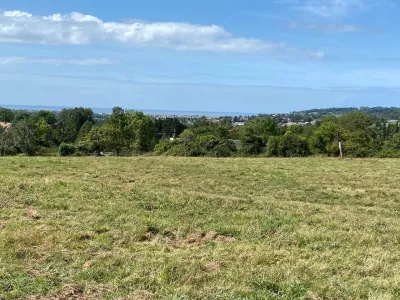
x=16 y=14
x=53 y=61
x=77 y=28
x=328 y=28
x=326 y=8
x=331 y=8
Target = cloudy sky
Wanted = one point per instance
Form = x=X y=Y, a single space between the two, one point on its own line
x=225 y=55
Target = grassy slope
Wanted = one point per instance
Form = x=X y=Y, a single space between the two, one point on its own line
x=145 y=228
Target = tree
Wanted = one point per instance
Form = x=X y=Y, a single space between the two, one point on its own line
x=356 y=132
x=42 y=132
x=261 y=127
x=143 y=129
x=188 y=137
x=355 y=121
x=293 y=145
x=393 y=142
x=167 y=128
x=251 y=145
x=273 y=146
x=21 y=115
x=7 y=145
x=323 y=137
x=118 y=133
x=85 y=129
x=96 y=141
x=6 y=115
x=67 y=149
x=70 y=122
x=23 y=135
x=48 y=116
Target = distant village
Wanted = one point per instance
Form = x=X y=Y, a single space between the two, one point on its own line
x=301 y=118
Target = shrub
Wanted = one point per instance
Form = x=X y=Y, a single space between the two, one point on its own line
x=67 y=149
x=251 y=145
x=273 y=146
x=389 y=153
x=223 y=149
x=168 y=147
x=291 y=145
x=177 y=150
x=393 y=142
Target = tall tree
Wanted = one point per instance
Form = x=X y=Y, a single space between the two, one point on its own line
x=70 y=122
x=143 y=128
x=261 y=127
x=6 y=115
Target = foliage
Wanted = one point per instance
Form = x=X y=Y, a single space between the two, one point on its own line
x=289 y=145
x=143 y=129
x=389 y=153
x=323 y=137
x=7 y=145
x=67 y=149
x=49 y=117
x=261 y=127
x=125 y=133
x=224 y=148
x=169 y=127
x=24 y=136
x=251 y=145
x=273 y=146
x=393 y=142
x=6 y=115
x=70 y=122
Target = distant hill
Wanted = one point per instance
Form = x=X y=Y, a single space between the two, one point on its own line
x=387 y=113
x=378 y=113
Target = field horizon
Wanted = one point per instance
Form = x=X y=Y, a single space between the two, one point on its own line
x=199 y=228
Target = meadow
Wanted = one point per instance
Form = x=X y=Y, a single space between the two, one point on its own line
x=199 y=228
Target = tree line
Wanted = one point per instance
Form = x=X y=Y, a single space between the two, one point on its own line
x=125 y=132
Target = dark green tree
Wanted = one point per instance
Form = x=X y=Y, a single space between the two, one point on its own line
x=6 y=115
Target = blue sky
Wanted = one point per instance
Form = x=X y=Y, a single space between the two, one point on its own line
x=241 y=56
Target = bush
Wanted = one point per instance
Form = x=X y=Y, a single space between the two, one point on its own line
x=167 y=147
x=223 y=149
x=389 y=153
x=67 y=149
x=289 y=145
x=393 y=142
x=251 y=145
x=273 y=146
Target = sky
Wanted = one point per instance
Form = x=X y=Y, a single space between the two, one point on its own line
x=260 y=56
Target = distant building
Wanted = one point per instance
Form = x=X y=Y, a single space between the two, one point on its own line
x=238 y=123
x=298 y=123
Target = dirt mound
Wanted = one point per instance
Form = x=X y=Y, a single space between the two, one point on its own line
x=33 y=214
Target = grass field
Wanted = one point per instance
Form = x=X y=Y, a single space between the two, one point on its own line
x=186 y=228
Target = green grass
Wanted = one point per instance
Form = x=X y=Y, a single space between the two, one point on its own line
x=199 y=228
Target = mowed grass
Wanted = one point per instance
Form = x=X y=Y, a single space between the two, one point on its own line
x=199 y=228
